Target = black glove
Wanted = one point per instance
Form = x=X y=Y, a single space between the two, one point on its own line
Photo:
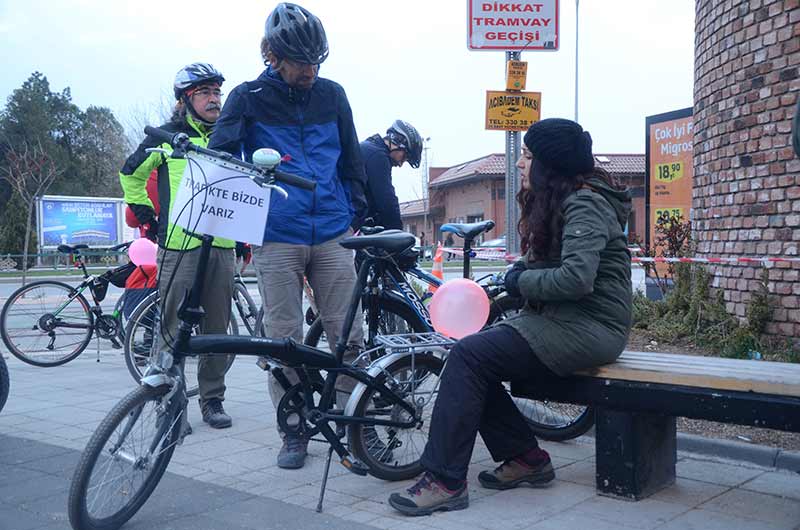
x=144 y=214
x=512 y=279
x=150 y=230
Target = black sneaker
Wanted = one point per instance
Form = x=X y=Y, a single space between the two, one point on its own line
x=215 y=415
x=293 y=452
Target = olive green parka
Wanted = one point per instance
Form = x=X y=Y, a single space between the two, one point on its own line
x=578 y=312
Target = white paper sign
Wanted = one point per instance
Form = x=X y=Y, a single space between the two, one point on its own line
x=221 y=202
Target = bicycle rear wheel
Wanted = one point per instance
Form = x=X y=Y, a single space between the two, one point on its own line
x=246 y=308
x=5 y=382
x=46 y=323
x=141 y=340
x=392 y=318
x=393 y=453
x=124 y=460
x=549 y=420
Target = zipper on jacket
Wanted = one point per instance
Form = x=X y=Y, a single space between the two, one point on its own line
x=305 y=159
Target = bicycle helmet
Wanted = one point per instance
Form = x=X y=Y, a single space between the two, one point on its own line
x=195 y=74
x=294 y=33
x=405 y=136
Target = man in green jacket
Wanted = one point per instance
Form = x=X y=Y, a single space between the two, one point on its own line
x=198 y=105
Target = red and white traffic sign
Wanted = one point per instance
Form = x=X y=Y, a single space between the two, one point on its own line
x=512 y=25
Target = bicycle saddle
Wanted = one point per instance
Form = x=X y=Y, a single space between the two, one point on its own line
x=392 y=241
x=66 y=249
x=468 y=230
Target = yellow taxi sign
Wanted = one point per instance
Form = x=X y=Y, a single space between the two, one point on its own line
x=512 y=111
x=516 y=74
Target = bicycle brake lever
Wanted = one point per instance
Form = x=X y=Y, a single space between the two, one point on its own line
x=280 y=190
x=157 y=150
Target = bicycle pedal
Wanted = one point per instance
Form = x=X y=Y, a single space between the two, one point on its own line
x=354 y=466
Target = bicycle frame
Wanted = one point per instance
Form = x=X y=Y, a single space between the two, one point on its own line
x=286 y=352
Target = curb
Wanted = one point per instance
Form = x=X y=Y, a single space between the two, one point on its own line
x=760 y=455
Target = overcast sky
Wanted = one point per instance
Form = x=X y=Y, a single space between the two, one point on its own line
x=401 y=59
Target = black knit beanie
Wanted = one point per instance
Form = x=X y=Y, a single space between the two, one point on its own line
x=562 y=145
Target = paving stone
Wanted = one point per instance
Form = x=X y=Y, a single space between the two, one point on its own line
x=710 y=520
x=645 y=514
x=758 y=506
x=780 y=483
x=716 y=472
x=689 y=492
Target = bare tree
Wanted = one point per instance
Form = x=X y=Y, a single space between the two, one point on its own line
x=30 y=171
x=140 y=115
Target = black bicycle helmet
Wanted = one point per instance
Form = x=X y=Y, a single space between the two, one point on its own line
x=195 y=74
x=294 y=33
x=404 y=135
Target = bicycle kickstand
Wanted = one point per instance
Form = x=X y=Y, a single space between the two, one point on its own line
x=324 y=479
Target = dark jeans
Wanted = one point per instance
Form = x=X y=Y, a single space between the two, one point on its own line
x=472 y=399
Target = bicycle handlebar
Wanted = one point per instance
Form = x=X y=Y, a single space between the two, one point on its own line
x=181 y=141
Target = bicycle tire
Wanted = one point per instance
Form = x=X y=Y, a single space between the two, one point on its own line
x=380 y=454
x=246 y=308
x=5 y=382
x=141 y=324
x=79 y=504
x=6 y=316
x=386 y=306
x=549 y=420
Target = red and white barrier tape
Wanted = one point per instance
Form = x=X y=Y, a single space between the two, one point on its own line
x=491 y=254
x=742 y=259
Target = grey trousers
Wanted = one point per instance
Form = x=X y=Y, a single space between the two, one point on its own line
x=331 y=273
x=216 y=302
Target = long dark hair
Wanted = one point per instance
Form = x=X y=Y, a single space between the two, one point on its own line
x=541 y=221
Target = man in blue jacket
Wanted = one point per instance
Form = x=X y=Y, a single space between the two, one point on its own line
x=402 y=143
x=308 y=120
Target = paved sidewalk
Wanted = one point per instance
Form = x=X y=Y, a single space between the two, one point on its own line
x=228 y=479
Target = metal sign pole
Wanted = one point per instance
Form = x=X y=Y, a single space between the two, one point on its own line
x=512 y=182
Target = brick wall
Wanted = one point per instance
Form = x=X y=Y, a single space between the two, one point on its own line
x=746 y=197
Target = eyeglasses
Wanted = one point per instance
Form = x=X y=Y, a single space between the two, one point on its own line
x=207 y=92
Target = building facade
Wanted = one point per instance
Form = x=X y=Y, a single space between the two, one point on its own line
x=475 y=191
x=746 y=193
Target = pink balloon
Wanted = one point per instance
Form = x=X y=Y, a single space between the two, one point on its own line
x=142 y=252
x=459 y=308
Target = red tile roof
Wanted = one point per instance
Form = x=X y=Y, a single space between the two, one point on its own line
x=409 y=208
x=495 y=165
x=621 y=164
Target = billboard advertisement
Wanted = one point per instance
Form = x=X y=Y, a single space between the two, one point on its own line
x=669 y=167
x=73 y=220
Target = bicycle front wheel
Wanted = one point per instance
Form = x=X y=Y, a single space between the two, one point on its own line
x=549 y=420
x=141 y=341
x=5 y=383
x=124 y=460
x=393 y=453
x=46 y=323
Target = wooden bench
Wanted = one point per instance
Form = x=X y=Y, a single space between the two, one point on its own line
x=638 y=398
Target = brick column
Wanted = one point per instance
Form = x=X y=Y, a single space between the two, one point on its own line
x=746 y=197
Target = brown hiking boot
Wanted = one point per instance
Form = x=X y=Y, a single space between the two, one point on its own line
x=514 y=472
x=429 y=495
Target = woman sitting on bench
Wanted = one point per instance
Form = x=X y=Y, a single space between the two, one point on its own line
x=575 y=278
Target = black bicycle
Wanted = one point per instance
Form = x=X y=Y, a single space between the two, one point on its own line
x=392 y=304
x=49 y=323
x=385 y=420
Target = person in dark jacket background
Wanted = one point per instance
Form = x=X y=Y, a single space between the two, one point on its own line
x=575 y=280
x=402 y=143
x=308 y=120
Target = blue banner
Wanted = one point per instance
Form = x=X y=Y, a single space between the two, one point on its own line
x=93 y=222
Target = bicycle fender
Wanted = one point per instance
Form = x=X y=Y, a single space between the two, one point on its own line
x=373 y=370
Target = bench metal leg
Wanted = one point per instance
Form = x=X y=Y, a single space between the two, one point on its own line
x=635 y=453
